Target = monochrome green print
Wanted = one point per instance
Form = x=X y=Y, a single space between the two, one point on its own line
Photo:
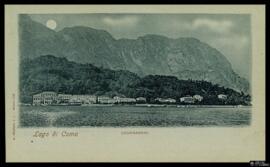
x=124 y=70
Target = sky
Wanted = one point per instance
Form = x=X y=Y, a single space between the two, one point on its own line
x=228 y=33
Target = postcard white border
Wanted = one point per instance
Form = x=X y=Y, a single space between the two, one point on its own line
x=160 y=144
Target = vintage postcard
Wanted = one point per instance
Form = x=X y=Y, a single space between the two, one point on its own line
x=141 y=83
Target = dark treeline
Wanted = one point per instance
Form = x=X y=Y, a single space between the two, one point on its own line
x=49 y=73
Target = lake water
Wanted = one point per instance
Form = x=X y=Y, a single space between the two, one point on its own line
x=128 y=116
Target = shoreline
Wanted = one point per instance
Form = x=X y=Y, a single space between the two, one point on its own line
x=147 y=105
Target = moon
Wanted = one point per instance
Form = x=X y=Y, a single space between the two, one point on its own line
x=51 y=24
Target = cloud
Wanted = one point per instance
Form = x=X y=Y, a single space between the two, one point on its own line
x=239 y=42
x=237 y=50
x=201 y=26
x=219 y=26
x=122 y=21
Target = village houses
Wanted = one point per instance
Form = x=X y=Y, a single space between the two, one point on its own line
x=50 y=98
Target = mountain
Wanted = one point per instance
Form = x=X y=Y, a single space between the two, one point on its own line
x=50 y=73
x=185 y=58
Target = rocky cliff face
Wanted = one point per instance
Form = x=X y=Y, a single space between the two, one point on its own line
x=186 y=58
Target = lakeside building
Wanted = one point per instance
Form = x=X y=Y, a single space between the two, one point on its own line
x=124 y=99
x=105 y=100
x=222 y=96
x=49 y=98
x=187 y=99
x=37 y=99
x=82 y=99
x=141 y=99
x=198 y=97
x=63 y=98
x=45 y=98
x=168 y=100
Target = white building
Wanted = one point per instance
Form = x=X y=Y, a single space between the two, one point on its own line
x=168 y=100
x=128 y=100
x=90 y=99
x=63 y=98
x=106 y=100
x=83 y=99
x=124 y=99
x=198 y=97
x=37 y=99
x=45 y=98
x=187 y=99
x=222 y=96
x=141 y=99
